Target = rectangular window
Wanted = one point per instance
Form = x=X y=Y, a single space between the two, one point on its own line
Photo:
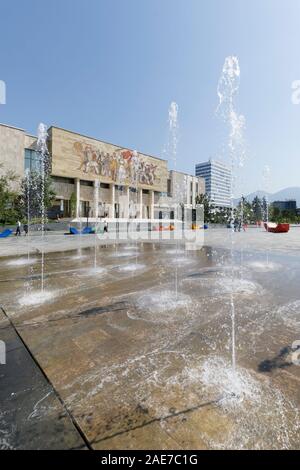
x=61 y=179
x=84 y=208
x=32 y=160
x=86 y=183
x=169 y=188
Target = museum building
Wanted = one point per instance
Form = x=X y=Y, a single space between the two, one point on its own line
x=102 y=178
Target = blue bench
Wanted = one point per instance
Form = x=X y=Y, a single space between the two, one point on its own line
x=6 y=233
x=85 y=231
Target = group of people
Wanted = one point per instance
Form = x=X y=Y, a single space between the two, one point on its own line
x=19 y=229
x=238 y=225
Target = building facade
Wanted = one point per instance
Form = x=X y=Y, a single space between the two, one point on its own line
x=287 y=205
x=103 y=179
x=217 y=178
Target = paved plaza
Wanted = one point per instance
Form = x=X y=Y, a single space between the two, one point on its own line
x=129 y=345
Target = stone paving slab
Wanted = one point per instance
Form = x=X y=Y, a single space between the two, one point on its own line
x=31 y=416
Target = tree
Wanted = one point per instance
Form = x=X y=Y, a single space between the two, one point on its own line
x=257 y=209
x=212 y=213
x=8 y=199
x=221 y=215
x=35 y=193
x=282 y=215
x=274 y=214
x=265 y=208
x=244 y=211
x=73 y=202
x=203 y=199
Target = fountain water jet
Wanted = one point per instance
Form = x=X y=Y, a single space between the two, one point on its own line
x=135 y=163
x=228 y=88
x=29 y=263
x=266 y=182
x=172 y=148
x=96 y=210
x=42 y=150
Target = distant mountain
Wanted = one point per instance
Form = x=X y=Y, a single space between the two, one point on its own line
x=282 y=195
x=260 y=194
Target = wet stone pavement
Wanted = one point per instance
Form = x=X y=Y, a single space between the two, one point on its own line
x=141 y=362
x=31 y=415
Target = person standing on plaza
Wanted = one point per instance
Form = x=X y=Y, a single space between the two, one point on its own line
x=105 y=230
x=18 y=229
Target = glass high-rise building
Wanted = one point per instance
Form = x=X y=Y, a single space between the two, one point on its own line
x=217 y=177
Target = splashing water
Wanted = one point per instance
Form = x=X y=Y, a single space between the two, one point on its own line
x=96 y=215
x=135 y=166
x=127 y=254
x=172 y=150
x=233 y=386
x=42 y=150
x=42 y=140
x=130 y=247
x=173 y=128
x=237 y=286
x=172 y=251
x=289 y=314
x=37 y=298
x=181 y=261
x=228 y=88
x=131 y=267
x=266 y=182
x=261 y=266
x=30 y=271
x=21 y=262
x=161 y=306
x=94 y=271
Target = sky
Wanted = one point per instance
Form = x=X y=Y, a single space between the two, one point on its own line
x=110 y=69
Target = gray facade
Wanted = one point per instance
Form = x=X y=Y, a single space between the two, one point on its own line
x=217 y=178
x=288 y=205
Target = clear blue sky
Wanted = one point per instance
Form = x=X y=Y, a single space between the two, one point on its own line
x=110 y=68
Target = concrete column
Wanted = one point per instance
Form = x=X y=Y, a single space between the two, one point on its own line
x=194 y=193
x=151 y=204
x=127 y=202
x=140 y=203
x=112 y=201
x=77 y=189
x=188 y=191
x=96 y=198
